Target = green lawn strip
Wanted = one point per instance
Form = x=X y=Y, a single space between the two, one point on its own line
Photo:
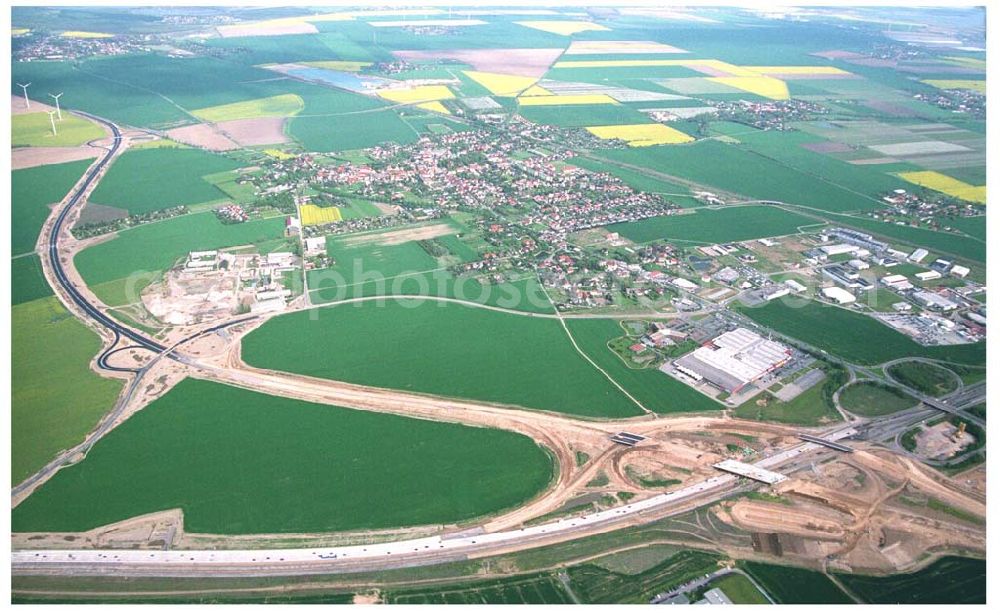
x=55 y=398
x=440 y=348
x=240 y=462
x=853 y=336
x=654 y=389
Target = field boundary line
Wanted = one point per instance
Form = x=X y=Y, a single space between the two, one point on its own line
x=558 y=316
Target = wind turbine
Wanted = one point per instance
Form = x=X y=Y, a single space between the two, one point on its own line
x=52 y=120
x=24 y=86
x=58 y=111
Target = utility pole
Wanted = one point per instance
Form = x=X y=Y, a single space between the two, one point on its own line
x=24 y=86
x=58 y=111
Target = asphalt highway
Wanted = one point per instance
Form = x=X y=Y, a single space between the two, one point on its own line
x=57 y=267
x=419 y=551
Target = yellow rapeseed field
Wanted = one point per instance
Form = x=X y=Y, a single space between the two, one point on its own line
x=434 y=106
x=500 y=83
x=569 y=99
x=82 y=34
x=418 y=94
x=312 y=215
x=282 y=105
x=768 y=87
x=277 y=153
x=797 y=70
x=946 y=185
x=536 y=90
x=566 y=28
x=958 y=84
x=641 y=135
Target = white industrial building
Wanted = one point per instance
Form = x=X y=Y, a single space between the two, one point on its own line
x=926 y=276
x=838 y=294
x=934 y=301
x=734 y=359
x=959 y=271
x=837 y=249
x=683 y=284
x=897 y=281
x=918 y=255
x=795 y=286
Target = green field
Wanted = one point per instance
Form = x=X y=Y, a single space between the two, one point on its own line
x=787 y=585
x=440 y=348
x=579 y=116
x=281 y=105
x=640 y=181
x=26 y=280
x=737 y=170
x=35 y=130
x=813 y=406
x=370 y=269
x=31 y=190
x=337 y=121
x=656 y=390
x=871 y=399
x=239 y=462
x=934 y=240
x=596 y=585
x=56 y=399
x=151 y=179
x=151 y=248
x=949 y=580
x=853 y=336
x=541 y=588
x=715 y=226
x=927 y=378
x=739 y=589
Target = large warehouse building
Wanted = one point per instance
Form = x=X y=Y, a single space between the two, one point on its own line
x=734 y=359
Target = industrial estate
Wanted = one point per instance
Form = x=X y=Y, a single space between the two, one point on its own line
x=474 y=305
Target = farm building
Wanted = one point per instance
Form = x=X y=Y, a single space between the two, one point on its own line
x=918 y=255
x=841 y=296
x=926 y=276
x=734 y=359
x=959 y=271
